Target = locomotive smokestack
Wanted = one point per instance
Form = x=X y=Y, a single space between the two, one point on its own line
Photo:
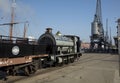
x=48 y=30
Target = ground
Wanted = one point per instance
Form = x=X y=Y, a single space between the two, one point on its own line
x=91 y=68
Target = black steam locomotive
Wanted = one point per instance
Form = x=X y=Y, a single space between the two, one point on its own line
x=29 y=55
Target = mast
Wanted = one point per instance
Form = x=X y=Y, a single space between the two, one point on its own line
x=12 y=22
x=12 y=18
x=110 y=37
x=25 y=30
x=107 y=37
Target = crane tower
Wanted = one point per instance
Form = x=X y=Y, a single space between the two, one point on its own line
x=97 y=31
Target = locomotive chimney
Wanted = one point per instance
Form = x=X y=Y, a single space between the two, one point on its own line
x=48 y=30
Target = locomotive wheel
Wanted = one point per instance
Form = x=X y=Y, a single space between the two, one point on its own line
x=72 y=60
x=60 y=64
x=27 y=71
x=66 y=61
x=32 y=69
x=12 y=72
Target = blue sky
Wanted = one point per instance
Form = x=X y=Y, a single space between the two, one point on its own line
x=67 y=16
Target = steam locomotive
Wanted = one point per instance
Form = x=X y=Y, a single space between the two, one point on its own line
x=30 y=55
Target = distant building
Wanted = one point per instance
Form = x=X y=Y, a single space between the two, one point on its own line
x=85 y=45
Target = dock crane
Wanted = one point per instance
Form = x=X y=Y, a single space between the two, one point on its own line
x=97 y=38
